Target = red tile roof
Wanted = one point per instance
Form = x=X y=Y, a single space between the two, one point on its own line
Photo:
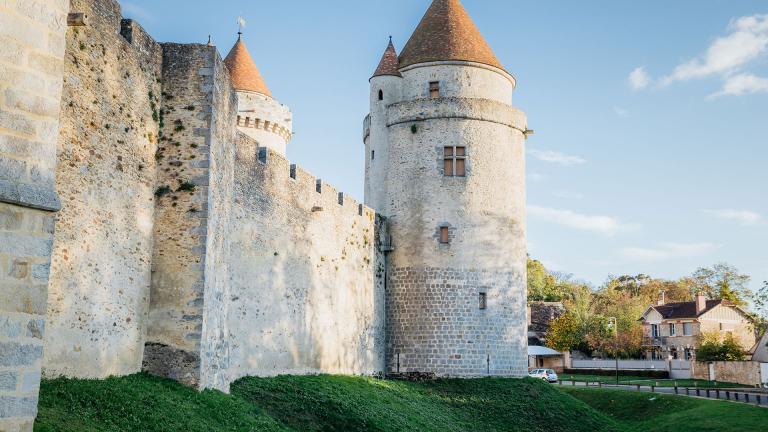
x=447 y=33
x=389 y=62
x=243 y=71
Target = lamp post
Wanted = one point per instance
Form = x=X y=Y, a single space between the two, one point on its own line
x=613 y=326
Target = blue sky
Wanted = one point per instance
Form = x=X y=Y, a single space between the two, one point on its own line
x=651 y=145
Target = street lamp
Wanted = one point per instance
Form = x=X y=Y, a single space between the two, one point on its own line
x=614 y=326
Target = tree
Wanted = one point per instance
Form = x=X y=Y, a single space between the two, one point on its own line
x=760 y=316
x=722 y=281
x=711 y=348
x=564 y=333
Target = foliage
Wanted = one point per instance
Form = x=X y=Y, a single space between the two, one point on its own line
x=760 y=316
x=313 y=403
x=723 y=281
x=564 y=333
x=642 y=412
x=712 y=348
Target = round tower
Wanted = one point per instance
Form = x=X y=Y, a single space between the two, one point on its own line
x=386 y=84
x=452 y=186
x=259 y=116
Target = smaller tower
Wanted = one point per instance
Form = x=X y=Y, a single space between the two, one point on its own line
x=259 y=116
x=386 y=85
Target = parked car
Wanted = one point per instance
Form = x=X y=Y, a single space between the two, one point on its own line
x=547 y=375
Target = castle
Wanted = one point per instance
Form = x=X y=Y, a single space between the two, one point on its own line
x=150 y=221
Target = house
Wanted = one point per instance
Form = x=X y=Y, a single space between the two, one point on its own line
x=540 y=317
x=760 y=351
x=673 y=330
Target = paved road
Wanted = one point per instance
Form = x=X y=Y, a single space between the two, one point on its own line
x=734 y=395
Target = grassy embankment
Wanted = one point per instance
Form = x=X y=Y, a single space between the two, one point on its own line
x=334 y=403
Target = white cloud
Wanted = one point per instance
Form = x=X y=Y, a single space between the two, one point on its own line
x=744 y=217
x=667 y=251
x=567 y=194
x=741 y=84
x=639 y=79
x=606 y=225
x=537 y=177
x=747 y=41
x=557 y=157
x=621 y=112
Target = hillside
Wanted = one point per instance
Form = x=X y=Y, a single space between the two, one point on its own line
x=318 y=403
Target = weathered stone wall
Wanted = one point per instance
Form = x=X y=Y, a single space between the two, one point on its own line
x=31 y=56
x=187 y=326
x=745 y=372
x=100 y=274
x=307 y=291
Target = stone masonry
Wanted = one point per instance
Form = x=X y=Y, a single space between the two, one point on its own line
x=31 y=53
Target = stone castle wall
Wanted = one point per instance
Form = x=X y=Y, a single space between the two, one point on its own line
x=31 y=70
x=307 y=292
x=106 y=172
x=186 y=331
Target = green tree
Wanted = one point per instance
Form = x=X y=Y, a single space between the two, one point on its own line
x=723 y=281
x=711 y=348
x=564 y=333
x=760 y=316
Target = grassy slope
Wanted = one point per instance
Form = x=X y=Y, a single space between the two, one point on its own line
x=660 y=413
x=323 y=403
x=648 y=381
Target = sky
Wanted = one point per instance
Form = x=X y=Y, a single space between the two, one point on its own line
x=651 y=118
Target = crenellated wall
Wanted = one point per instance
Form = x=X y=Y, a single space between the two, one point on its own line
x=100 y=272
x=307 y=293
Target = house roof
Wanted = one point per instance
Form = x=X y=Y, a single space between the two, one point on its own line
x=243 y=71
x=685 y=309
x=389 y=62
x=446 y=32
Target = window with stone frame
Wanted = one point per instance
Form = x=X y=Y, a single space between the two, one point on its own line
x=445 y=235
x=455 y=161
x=483 y=301
x=687 y=329
x=672 y=329
x=434 y=89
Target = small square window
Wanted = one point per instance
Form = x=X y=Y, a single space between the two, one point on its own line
x=445 y=235
x=434 y=89
x=483 y=301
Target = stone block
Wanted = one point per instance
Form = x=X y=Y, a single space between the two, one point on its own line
x=15 y=146
x=11 y=406
x=46 y=64
x=30 y=382
x=16 y=122
x=35 y=328
x=37 y=105
x=24 y=299
x=41 y=272
x=9 y=328
x=19 y=269
x=12 y=169
x=16 y=354
x=21 y=245
x=8 y=381
x=10 y=218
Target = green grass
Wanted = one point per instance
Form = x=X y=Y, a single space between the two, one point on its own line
x=643 y=412
x=318 y=403
x=650 y=381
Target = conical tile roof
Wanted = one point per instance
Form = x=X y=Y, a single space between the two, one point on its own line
x=447 y=33
x=389 y=62
x=243 y=71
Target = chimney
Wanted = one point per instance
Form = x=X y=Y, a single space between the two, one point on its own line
x=701 y=303
x=662 y=299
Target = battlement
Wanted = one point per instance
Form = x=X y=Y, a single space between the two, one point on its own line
x=312 y=194
x=265 y=125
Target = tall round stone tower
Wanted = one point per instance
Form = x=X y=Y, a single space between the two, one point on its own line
x=445 y=163
x=260 y=116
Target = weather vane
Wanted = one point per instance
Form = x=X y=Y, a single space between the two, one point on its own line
x=240 y=26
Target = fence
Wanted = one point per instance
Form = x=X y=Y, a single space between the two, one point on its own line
x=737 y=395
x=678 y=369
